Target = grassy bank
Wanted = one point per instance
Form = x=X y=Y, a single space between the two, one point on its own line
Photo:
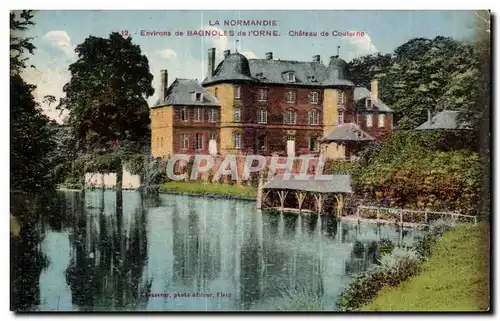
x=209 y=189
x=454 y=278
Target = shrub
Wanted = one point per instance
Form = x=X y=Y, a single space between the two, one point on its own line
x=441 y=226
x=300 y=300
x=394 y=268
x=423 y=246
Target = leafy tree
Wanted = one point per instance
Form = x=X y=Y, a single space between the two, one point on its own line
x=366 y=68
x=425 y=76
x=19 y=23
x=31 y=141
x=479 y=115
x=106 y=98
x=421 y=75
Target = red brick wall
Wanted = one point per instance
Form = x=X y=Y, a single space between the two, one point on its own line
x=276 y=104
x=375 y=131
x=275 y=129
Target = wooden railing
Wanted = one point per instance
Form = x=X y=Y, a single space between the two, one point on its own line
x=401 y=216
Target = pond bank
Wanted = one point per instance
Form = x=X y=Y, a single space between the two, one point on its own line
x=224 y=191
x=454 y=278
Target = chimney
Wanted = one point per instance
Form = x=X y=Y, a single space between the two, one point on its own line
x=227 y=53
x=164 y=84
x=211 y=63
x=317 y=58
x=374 y=90
x=269 y=56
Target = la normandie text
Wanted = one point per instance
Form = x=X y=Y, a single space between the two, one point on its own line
x=244 y=23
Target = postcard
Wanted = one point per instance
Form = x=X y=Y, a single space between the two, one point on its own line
x=242 y=161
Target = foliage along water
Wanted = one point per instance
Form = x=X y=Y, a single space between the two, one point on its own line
x=86 y=253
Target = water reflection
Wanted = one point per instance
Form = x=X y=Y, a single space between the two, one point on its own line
x=86 y=252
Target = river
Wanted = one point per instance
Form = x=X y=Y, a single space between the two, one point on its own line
x=181 y=253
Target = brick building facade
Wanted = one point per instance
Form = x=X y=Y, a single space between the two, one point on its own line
x=263 y=106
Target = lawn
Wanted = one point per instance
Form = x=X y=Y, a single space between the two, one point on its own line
x=207 y=188
x=455 y=278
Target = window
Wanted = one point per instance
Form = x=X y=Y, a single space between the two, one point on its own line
x=158 y=142
x=262 y=116
x=184 y=141
x=290 y=137
x=237 y=92
x=381 y=120
x=313 y=97
x=291 y=76
x=368 y=103
x=236 y=115
x=340 y=119
x=368 y=120
x=340 y=97
x=262 y=95
x=290 y=96
x=198 y=114
x=212 y=136
x=212 y=115
x=198 y=141
x=290 y=117
x=184 y=114
x=313 y=143
x=198 y=96
x=161 y=142
x=215 y=92
x=313 y=117
x=236 y=140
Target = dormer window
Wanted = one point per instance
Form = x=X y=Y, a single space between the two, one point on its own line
x=369 y=104
x=291 y=76
x=197 y=97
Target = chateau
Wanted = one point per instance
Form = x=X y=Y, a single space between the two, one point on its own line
x=266 y=106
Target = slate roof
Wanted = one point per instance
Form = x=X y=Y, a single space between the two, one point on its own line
x=447 y=119
x=347 y=132
x=238 y=67
x=362 y=93
x=338 y=184
x=181 y=92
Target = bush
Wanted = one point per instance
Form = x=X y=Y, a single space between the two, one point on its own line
x=423 y=246
x=385 y=246
x=394 y=268
x=417 y=171
x=300 y=300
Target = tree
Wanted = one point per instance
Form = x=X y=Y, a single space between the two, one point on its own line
x=106 y=96
x=31 y=169
x=106 y=99
x=428 y=75
x=366 y=68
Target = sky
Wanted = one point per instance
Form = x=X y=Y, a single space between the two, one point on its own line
x=57 y=33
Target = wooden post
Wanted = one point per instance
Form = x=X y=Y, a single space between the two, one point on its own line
x=300 y=199
x=259 y=193
x=475 y=219
x=319 y=202
x=401 y=218
x=282 y=195
x=426 y=218
x=340 y=205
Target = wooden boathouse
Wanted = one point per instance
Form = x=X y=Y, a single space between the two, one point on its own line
x=321 y=196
